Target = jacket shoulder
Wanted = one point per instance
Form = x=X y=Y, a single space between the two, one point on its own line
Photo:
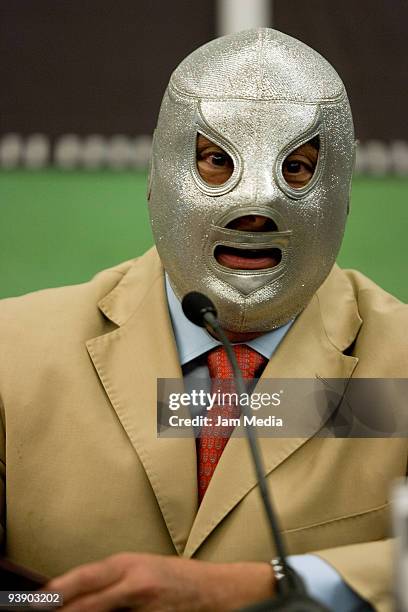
x=382 y=342
x=374 y=300
x=60 y=307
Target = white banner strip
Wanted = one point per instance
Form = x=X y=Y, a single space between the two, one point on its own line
x=236 y=15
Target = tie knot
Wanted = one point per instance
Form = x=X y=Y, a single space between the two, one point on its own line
x=250 y=362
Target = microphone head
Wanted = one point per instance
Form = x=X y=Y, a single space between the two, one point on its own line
x=195 y=305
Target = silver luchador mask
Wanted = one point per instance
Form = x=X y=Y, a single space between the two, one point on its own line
x=259 y=95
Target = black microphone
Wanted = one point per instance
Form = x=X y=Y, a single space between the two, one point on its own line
x=292 y=595
x=195 y=306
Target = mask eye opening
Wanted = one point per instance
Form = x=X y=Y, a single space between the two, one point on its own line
x=213 y=163
x=299 y=165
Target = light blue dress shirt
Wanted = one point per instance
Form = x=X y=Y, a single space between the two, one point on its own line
x=193 y=342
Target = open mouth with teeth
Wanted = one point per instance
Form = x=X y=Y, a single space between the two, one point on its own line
x=247 y=259
x=244 y=258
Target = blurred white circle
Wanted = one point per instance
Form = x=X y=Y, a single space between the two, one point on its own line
x=119 y=152
x=141 y=151
x=361 y=161
x=11 y=149
x=36 y=151
x=94 y=152
x=377 y=158
x=399 y=157
x=67 y=151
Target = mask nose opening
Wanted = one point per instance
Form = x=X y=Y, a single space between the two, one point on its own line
x=253 y=223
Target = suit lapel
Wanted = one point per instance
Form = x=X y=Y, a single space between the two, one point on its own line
x=128 y=362
x=311 y=349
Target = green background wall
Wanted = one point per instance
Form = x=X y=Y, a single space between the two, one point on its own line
x=60 y=228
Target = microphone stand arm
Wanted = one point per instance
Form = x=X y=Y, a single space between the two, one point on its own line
x=253 y=445
x=292 y=596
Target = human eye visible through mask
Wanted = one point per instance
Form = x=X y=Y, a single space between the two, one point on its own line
x=299 y=166
x=214 y=165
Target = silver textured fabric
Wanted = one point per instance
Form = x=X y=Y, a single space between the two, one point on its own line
x=258 y=94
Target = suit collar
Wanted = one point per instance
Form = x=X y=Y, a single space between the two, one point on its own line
x=123 y=301
x=129 y=360
x=338 y=307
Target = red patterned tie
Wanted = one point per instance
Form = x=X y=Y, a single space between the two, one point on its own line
x=213 y=439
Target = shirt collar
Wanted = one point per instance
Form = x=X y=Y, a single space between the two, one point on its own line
x=192 y=340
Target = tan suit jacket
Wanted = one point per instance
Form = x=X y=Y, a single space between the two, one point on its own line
x=88 y=477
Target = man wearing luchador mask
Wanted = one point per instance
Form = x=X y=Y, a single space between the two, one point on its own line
x=248 y=196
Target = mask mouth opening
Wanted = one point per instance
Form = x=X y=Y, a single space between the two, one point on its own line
x=235 y=258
